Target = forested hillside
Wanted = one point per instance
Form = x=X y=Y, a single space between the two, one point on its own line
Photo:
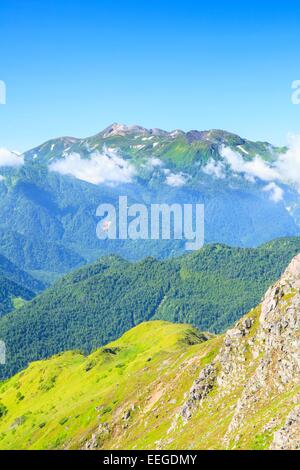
x=16 y=286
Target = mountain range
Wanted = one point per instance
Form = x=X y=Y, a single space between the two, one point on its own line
x=210 y=289
x=169 y=386
x=138 y=344
x=49 y=195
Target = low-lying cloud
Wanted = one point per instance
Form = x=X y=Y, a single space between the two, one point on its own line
x=255 y=168
x=10 y=159
x=175 y=179
x=285 y=170
x=155 y=162
x=102 y=167
x=214 y=168
x=276 y=193
x=288 y=164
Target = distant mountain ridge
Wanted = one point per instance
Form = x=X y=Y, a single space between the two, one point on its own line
x=50 y=195
x=91 y=306
x=156 y=141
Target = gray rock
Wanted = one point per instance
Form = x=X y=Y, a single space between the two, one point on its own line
x=288 y=437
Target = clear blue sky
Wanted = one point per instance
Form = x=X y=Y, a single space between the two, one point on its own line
x=73 y=67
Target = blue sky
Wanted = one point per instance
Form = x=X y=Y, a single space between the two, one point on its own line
x=74 y=67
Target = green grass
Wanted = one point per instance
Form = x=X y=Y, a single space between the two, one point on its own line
x=63 y=398
x=18 y=302
x=132 y=390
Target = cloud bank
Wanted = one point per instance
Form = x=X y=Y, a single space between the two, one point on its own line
x=155 y=162
x=285 y=170
x=214 y=168
x=255 y=168
x=176 y=180
x=276 y=193
x=10 y=159
x=288 y=164
x=104 y=167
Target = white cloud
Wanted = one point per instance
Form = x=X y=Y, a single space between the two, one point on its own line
x=214 y=168
x=288 y=163
x=12 y=159
x=276 y=193
x=176 y=180
x=154 y=162
x=255 y=168
x=250 y=178
x=107 y=166
x=286 y=169
x=2 y=178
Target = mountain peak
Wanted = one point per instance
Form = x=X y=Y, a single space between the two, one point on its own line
x=119 y=129
x=217 y=136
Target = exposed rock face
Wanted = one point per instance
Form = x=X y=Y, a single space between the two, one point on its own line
x=97 y=437
x=259 y=359
x=247 y=395
x=200 y=389
x=288 y=437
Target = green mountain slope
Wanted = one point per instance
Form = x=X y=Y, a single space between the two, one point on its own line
x=209 y=289
x=48 y=203
x=168 y=386
x=15 y=286
x=178 y=148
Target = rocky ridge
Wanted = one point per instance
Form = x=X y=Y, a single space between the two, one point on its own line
x=260 y=358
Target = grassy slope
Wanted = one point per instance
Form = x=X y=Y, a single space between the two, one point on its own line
x=181 y=150
x=53 y=403
x=61 y=402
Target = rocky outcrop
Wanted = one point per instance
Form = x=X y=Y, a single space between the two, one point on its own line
x=275 y=348
x=97 y=437
x=200 y=389
x=259 y=359
x=288 y=437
